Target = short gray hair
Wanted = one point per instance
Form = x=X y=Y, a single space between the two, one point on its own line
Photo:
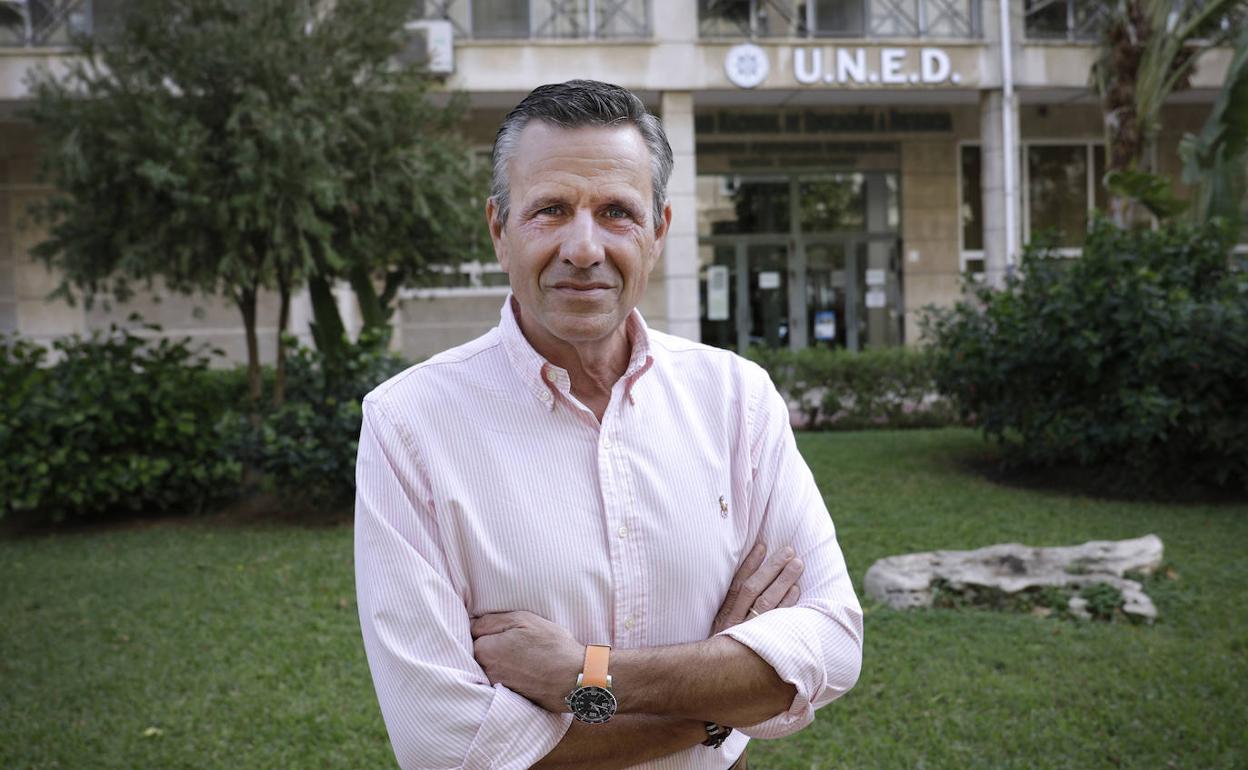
x=576 y=104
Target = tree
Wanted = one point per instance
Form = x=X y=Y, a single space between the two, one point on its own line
x=1148 y=51
x=230 y=146
x=1215 y=161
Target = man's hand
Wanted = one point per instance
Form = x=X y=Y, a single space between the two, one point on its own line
x=540 y=659
x=760 y=585
x=529 y=655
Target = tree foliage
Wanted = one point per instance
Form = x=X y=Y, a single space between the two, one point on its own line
x=1132 y=358
x=1149 y=49
x=1215 y=161
x=232 y=146
x=120 y=423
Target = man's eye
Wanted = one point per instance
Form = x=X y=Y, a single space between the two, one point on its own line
x=615 y=212
x=549 y=211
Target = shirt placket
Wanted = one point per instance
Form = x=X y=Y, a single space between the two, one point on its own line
x=619 y=504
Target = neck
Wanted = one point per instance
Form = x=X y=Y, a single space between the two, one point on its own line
x=593 y=366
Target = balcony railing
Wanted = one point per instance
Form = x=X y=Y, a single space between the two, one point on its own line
x=1082 y=21
x=31 y=23
x=840 y=18
x=537 y=19
x=1069 y=20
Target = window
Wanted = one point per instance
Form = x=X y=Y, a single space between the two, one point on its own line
x=842 y=18
x=500 y=19
x=732 y=205
x=972 y=207
x=971 y=210
x=541 y=19
x=1068 y=20
x=1061 y=187
x=834 y=204
x=839 y=18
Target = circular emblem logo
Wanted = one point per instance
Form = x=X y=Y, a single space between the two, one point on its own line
x=746 y=65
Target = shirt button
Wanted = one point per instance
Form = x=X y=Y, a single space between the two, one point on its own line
x=545 y=395
x=628 y=623
x=606 y=442
x=622 y=531
x=552 y=375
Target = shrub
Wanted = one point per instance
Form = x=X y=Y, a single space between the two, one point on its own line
x=118 y=423
x=306 y=447
x=1132 y=359
x=839 y=389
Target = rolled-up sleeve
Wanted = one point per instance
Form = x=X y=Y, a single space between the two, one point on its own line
x=439 y=707
x=817 y=645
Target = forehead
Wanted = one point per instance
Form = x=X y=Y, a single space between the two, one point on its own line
x=600 y=156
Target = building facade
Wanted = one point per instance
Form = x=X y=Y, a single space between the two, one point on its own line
x=840 y=164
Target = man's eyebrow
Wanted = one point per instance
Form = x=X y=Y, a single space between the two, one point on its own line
x=543 y=202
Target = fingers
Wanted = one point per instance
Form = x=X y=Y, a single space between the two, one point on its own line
x=756 y=584
x=786 y=581
x=494 y=623
x=751 y=565
x=790 y=598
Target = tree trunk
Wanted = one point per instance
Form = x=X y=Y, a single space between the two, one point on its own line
x=283 y=319
x=375 y=315
x=255 y=387
x=1126 y=37
x=328 y=331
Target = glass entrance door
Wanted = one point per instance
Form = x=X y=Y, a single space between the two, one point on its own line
x=831 y=297
x=767 y=267
x=800 y=260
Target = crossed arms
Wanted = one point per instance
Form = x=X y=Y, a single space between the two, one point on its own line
x=719 y=680
x=450 y=701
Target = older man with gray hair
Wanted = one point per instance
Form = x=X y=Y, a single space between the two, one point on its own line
x=580 y=541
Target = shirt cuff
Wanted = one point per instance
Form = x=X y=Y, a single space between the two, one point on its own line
x=791 y=641
x=516 y=733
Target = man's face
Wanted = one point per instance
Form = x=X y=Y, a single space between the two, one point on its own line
x=579 y=242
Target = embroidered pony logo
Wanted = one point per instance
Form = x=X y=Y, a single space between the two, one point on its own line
x=723 y=507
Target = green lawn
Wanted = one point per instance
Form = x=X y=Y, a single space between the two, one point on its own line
x=188 y=645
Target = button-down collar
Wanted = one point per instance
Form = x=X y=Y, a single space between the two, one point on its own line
x=540 y=376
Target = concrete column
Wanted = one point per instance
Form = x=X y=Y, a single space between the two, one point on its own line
x=674 y=22
x=992 y=183
x=24 y=283
x=992 y=141
x=680 y=254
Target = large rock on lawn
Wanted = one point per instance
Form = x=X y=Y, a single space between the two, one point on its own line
x=909 y=580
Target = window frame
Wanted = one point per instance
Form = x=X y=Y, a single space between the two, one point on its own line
x=1089 y=182
x=965 y=255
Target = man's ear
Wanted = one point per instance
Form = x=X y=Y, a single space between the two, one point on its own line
x=495 y=224
x=660 y=234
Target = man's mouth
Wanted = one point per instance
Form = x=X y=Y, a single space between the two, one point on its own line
x=573 y=286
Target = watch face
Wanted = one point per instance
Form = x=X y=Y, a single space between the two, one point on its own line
x=594 y=705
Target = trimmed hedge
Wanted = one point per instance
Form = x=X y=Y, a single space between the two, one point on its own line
x=1132 y=359
x=118 y=423
x=306 y=447
x=843 y=390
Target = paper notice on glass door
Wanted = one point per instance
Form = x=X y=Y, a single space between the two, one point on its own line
x=717 y=293
x=876 y=298
x=825 y=325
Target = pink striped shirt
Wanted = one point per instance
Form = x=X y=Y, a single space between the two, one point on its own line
x=485 y=486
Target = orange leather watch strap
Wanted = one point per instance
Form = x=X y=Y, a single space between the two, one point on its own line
x=595 y=671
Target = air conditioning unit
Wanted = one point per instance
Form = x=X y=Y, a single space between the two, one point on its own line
x=430 y=44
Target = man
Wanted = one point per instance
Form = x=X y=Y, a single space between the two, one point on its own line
x=573 y=480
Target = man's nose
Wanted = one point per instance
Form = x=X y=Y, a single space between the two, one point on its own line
x=583 y=245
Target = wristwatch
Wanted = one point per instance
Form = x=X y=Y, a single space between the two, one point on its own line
x=716 y=735
x=592 y=701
